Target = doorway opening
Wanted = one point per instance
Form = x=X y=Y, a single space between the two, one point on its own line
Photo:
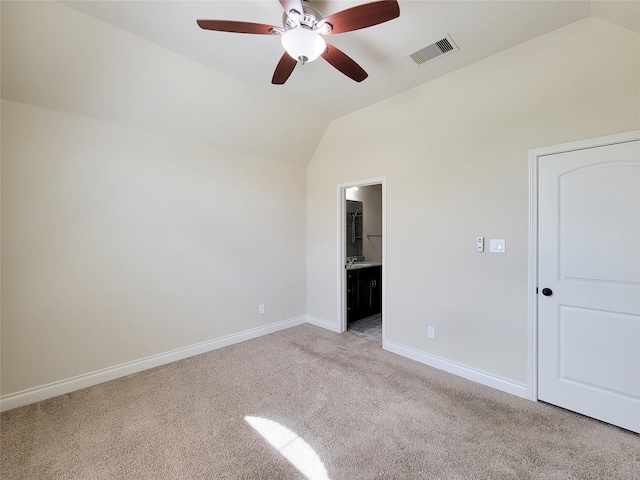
x=362 y=258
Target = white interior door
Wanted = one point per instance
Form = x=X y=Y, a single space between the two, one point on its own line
x=589 y=260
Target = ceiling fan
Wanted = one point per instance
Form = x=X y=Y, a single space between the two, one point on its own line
x=302 y=31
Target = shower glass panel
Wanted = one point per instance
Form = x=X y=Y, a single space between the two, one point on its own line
x=354 y=228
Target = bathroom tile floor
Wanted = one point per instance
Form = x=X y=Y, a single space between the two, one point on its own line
x=370 y=328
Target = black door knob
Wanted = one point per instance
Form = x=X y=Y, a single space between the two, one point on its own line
x=547 y=292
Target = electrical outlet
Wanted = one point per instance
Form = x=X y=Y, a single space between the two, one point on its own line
x=261 y=308
x=431 y=332
x=480 y=244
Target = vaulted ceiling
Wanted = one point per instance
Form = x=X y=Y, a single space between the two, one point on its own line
x=316 y=93
x=478 y=28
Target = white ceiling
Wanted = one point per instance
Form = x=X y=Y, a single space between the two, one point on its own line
x=479 y=28
x=58 y=58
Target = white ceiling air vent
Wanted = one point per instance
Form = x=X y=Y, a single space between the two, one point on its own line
x=437 y=49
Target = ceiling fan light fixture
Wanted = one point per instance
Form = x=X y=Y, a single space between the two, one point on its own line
x=303 y=44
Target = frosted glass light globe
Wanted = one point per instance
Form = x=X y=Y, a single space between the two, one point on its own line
x=303 y=45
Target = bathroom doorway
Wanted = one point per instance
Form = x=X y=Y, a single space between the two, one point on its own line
x=362 y=255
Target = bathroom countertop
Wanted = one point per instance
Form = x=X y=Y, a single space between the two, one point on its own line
x=359 y=265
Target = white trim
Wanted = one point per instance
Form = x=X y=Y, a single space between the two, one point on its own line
x=532 y=299
x=37 y=394
x=385 y=318
x=532 y=321
x=342 y=247
x=464 y=371
x=319 y=322
x=587 y=143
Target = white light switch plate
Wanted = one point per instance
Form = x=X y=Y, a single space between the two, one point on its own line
x=497 y=245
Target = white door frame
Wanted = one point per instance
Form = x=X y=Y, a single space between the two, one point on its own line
x=342 y=250
x=534 y=156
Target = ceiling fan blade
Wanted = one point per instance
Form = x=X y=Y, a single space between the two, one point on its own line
x=363 y=16
x=289 y=5
x=284 y=69
x=344 y=63
x=238 y=27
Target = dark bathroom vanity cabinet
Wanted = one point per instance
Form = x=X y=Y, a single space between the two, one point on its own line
x=364 y=292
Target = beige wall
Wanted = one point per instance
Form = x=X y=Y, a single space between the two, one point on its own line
x=455 y=155
x=119 y=243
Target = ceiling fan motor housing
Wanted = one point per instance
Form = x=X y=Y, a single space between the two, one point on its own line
x=310 y=19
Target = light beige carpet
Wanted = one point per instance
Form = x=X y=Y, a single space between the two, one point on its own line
x=333 y=406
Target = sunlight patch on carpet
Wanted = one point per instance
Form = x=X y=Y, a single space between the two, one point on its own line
x=291 y=446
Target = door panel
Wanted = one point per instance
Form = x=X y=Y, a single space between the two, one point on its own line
x=590 y=359
x=587 y=224
x=589 y=256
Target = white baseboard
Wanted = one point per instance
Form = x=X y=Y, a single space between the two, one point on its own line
x=37 y=394
x=319 y=322
x=478 y=376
